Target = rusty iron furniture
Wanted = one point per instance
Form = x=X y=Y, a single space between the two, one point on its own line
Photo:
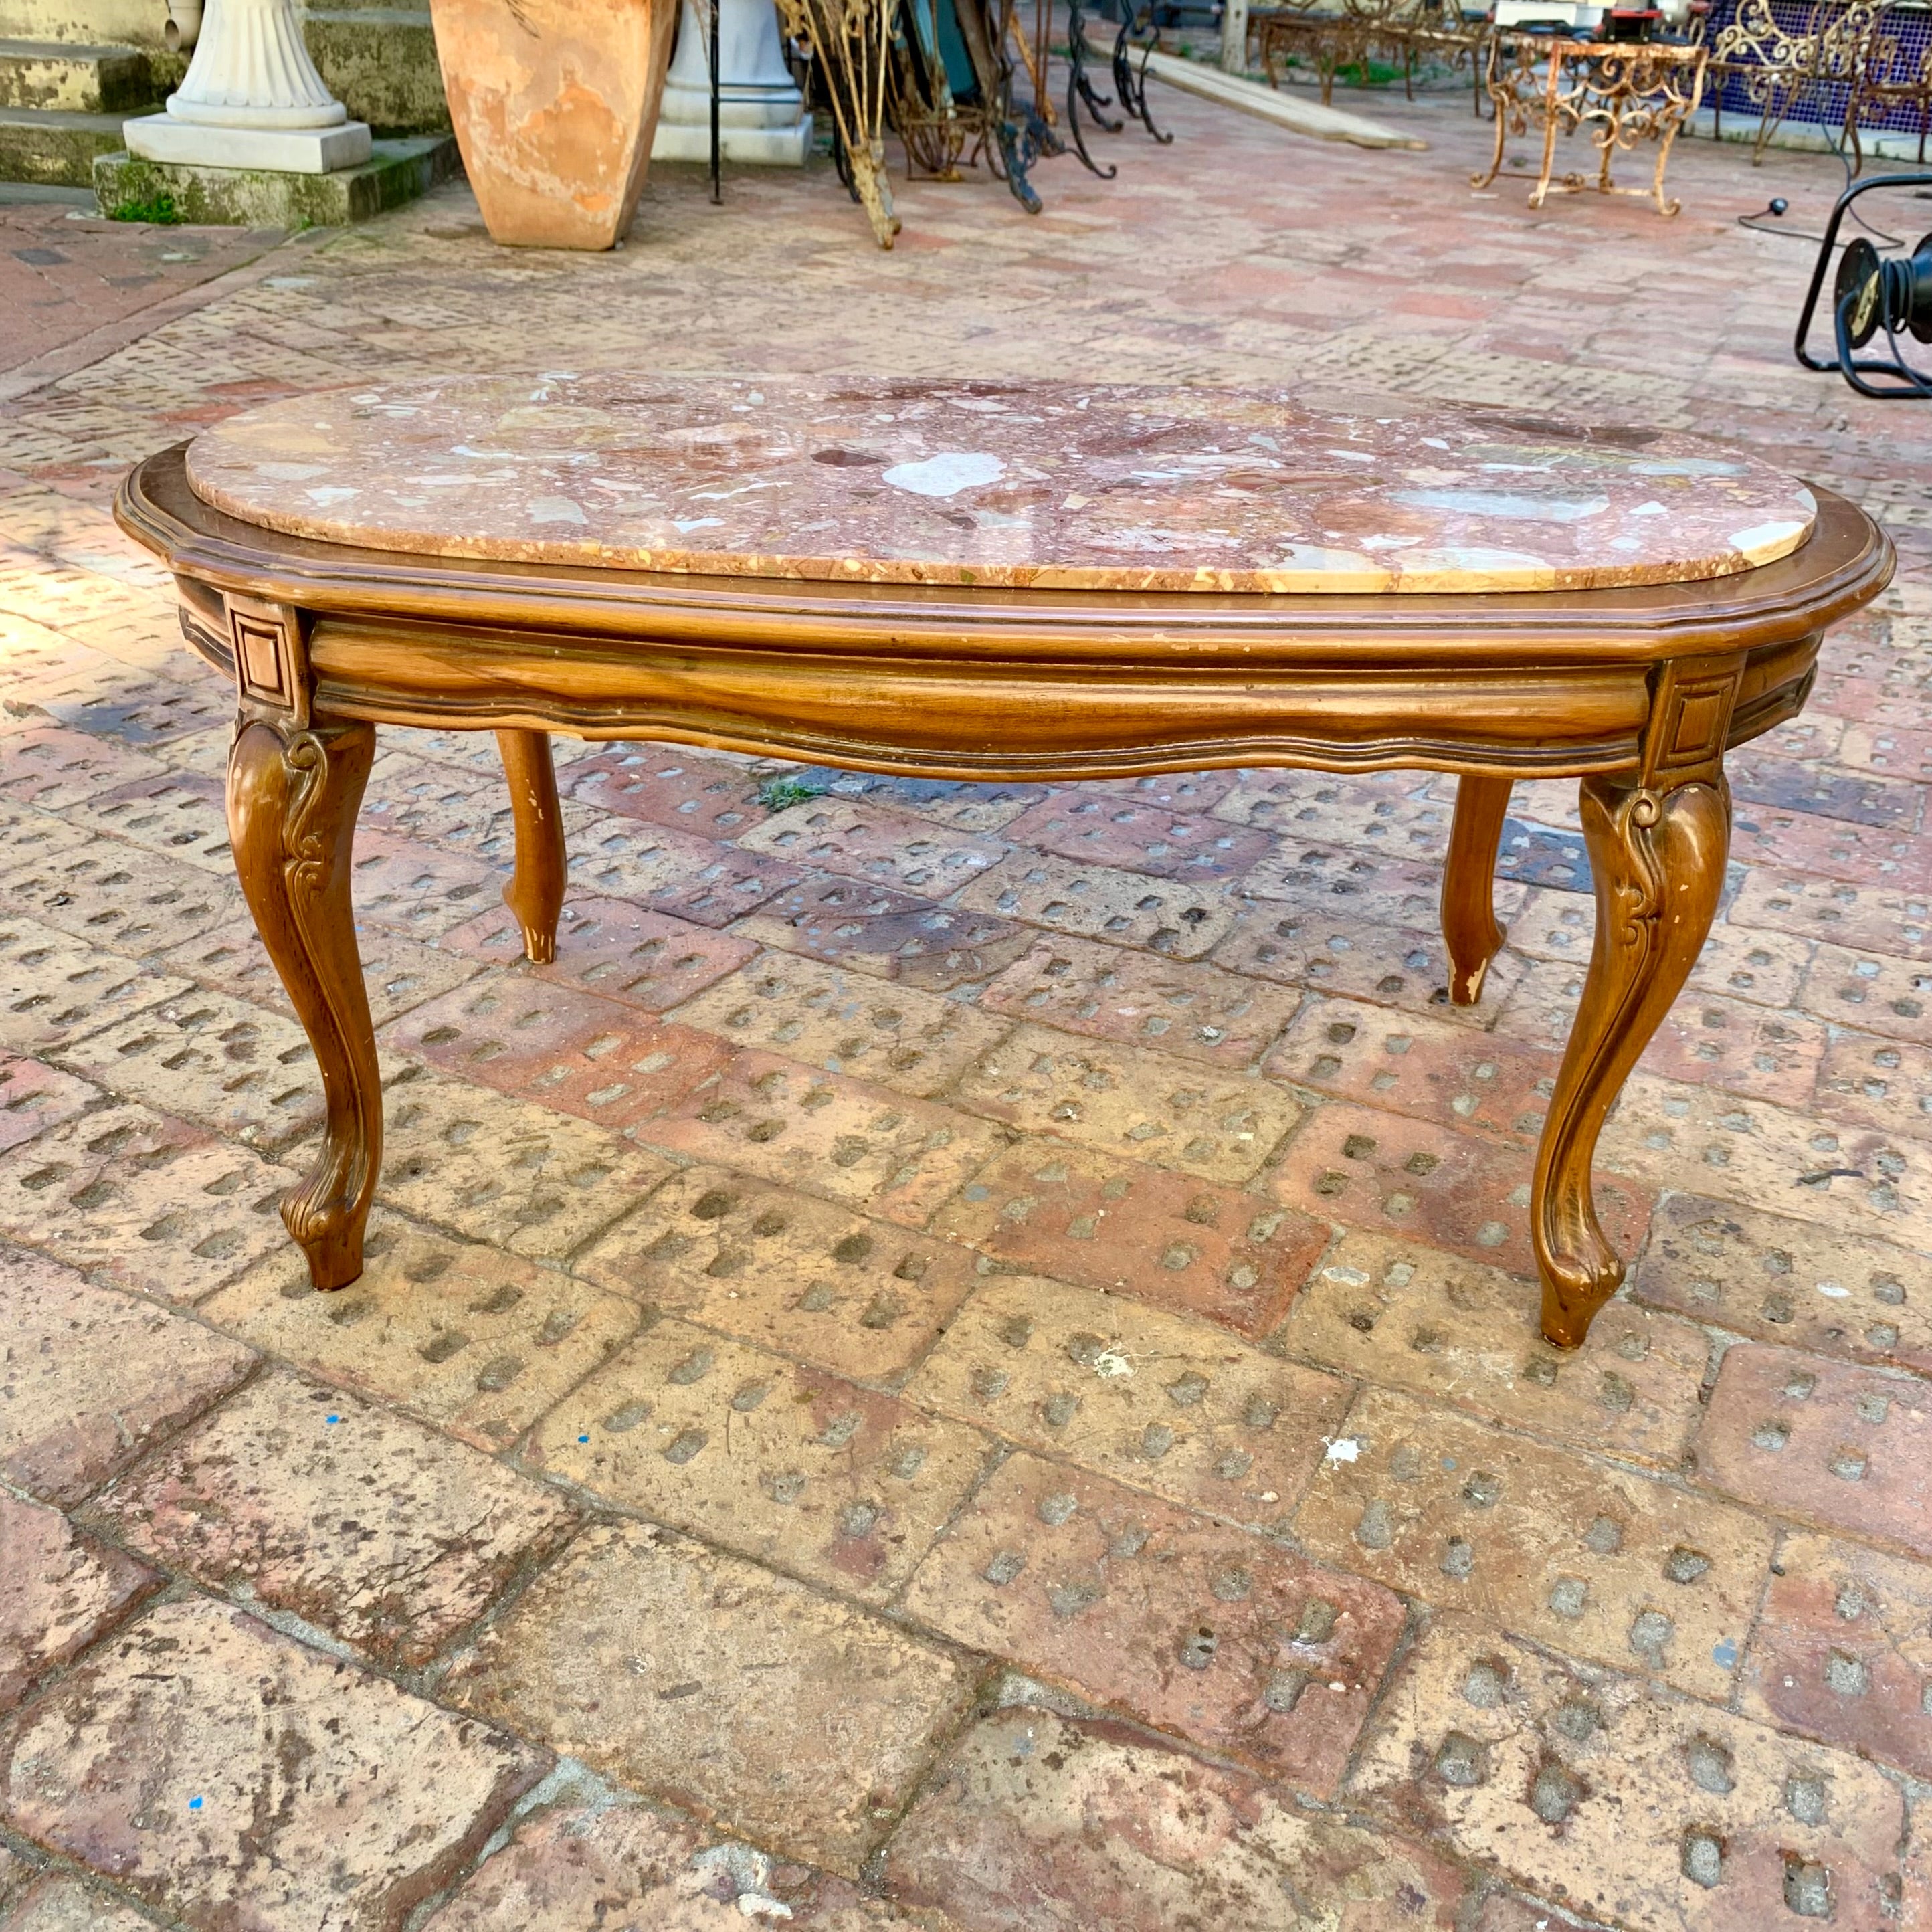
x=1624 y=92
x=1135 y=32
x=1334 y=39
x=1455 y=37
x=931 y=669
x=1894 y=72
x=942 y=117
x=1329 y=38
x=1780 y=56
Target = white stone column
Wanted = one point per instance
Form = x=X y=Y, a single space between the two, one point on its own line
x=1234 y=36
x=761 y=115
x=252 y=98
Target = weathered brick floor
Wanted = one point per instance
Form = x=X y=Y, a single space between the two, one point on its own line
x=1031 y=1417
x=66 y=274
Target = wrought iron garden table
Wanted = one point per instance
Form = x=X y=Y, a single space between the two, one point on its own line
x=986 y=581
x=1625 y=91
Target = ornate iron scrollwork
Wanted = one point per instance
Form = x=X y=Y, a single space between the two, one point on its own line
x=1081 y=91
x=1130 y=84
x=1622 y=92
x=1778 y=64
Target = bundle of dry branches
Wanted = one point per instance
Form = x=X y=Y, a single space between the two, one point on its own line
x=847 y=39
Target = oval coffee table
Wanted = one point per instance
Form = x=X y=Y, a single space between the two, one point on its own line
x=981 y=580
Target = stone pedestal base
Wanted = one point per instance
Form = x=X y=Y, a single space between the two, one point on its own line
x=761 y=115
x=304 y=150
x=784 y=147
x=396 y=171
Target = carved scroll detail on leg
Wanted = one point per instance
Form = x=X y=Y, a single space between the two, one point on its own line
x=535 y=891
x=1658 y=859
x=292 y=796
x=1470 y=934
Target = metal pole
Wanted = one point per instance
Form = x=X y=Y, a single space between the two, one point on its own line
x=717 y=143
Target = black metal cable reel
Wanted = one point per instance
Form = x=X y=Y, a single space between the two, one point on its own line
x=1872 y=293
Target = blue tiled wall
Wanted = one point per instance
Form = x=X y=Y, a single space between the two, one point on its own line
x=1823 y=104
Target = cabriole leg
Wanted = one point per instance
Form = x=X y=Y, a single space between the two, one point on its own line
x=292 y=796
x=535 y=891
x=1657 y=855
x=1470 y=934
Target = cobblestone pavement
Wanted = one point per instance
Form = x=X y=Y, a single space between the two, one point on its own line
x=66 y=274
x=1028 y=1424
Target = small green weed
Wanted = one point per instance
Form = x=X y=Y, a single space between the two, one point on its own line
x=1371 y=73
x=158 y=208
x=780 y=794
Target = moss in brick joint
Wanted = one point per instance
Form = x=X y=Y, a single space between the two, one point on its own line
x=143 y=198
x=159 y=212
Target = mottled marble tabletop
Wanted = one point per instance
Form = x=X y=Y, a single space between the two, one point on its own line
x=1047 y=485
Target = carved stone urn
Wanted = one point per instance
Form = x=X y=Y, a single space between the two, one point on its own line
x=554 y=102
x=251 y=98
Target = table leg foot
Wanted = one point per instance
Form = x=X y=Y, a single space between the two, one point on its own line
x=1483 y=178
x=1470 y=934
x=292 y=795
x=1663 y=207
x=1657 y=856
x=1539 y=194
x=535 y=891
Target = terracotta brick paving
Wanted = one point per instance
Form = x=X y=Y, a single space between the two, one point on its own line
x=965 y=1360
x=65 y=272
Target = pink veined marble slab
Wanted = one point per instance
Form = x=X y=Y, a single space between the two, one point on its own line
x=1054 y=486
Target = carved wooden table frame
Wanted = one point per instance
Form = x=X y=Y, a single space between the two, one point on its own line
x=1638 y=693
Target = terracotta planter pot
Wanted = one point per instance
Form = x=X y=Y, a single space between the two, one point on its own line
x=554 y=102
